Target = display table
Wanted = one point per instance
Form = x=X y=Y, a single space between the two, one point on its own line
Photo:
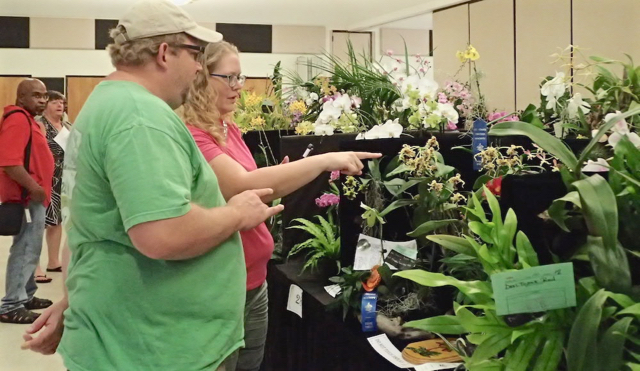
x=320 y=340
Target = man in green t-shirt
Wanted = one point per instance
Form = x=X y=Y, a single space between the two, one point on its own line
x=156 y=279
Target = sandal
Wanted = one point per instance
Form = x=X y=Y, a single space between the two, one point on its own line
x=58 y=269
x=19 y=316
x=43 y=279
x=37 y=303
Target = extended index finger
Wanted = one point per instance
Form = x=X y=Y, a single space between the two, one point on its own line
x=367 y=155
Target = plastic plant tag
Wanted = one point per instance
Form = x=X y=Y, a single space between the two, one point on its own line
x=294 y=304
x=534 y=289
x=369 y=312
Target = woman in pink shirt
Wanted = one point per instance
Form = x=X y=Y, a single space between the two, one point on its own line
x=208 y=113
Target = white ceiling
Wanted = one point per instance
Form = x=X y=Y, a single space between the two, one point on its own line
x=334 y=14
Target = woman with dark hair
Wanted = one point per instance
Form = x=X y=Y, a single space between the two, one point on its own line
x=53 y=122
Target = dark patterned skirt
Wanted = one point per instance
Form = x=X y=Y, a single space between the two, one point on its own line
x=53 y=211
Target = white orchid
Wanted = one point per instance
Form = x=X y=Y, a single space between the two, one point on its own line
x=390 y=129
x=313 y=97
x=323 y=129
x=343 y=102
x=330 y=112
x=426 y=87
x=598 y=166
x=602 y=139
x=576 y=103
x=619 y=130
x=446 y=110
x=554 y=89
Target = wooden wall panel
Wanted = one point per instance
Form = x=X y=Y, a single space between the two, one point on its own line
x=607 y=29
x=492 y=34
x=8 y=88
x=450 y=34
x=78 y=90
x=257 y=85
x=543 y=27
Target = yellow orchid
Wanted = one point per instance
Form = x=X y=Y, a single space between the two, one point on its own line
x=461 y=56
x=472 y=53
x=298 y=107
x=257 y=122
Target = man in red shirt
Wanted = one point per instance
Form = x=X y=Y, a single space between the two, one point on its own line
x=15 y=130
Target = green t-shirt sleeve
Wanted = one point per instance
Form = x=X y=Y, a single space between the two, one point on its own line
x=150 y=175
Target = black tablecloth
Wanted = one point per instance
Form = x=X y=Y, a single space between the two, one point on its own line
x=320 y=340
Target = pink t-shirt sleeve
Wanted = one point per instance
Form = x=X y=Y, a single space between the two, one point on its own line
x=205 y=142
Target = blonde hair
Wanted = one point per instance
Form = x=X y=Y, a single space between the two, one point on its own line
x=200 y=108
x=138 y=52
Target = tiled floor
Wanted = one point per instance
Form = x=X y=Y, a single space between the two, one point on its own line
x=11 y=357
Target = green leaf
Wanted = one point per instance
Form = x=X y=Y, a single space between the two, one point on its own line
x=430 y=226
x=526 y=253
x=399 y=170
x=557 y=210
x=396 y=205
x=551 y=353
x=633 y=310
x=443 y=169
x=600 y=208
x=610 y=265
x=519 y=359
x=584 y=334
x=611 y=346
x=506 y=235
x=545 y=140
x=397 y=186
x=494 y=344
x=623 y=300
x=446 y=324
x=494 y=205
x=483 y=231
x=454 y=243
x=478 y=291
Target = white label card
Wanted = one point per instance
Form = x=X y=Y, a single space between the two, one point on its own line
x=333 y=290
x=294 y=304
x=385 y=348
x=62 y=137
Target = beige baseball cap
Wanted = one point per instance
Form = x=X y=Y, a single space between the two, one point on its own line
x=148 y=18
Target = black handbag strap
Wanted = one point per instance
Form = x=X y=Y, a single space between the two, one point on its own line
x=27 y=150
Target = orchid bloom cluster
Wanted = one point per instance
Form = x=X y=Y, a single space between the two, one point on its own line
x=338 y=113
x=397 y=70
x=390 y=129
x=502 y=116
x=469 y=54
x=460 y=96
x=332 y=198
x=423 y=162
x=619 y=131
x=557 y=96
x=296 y=107
x=427 y=109
x=499 y=161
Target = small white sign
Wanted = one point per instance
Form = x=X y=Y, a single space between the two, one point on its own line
x=295 y=300
x=369 y=251
x=62 y=137
x=436 y=366
x=333 y=290
x=385 y=348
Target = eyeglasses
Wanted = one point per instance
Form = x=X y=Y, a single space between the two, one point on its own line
x=233 y=80
x=198 y=48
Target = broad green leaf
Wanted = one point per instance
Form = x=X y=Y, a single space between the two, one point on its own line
x=610 y=265
x=481 y=324
x=506 y=235
x=584 y=335
x=446 y=324
x=443 y=169
x=396 y=205
x=557 y=210
x=493 y=345
x=599 y=207
x=545 y=140
x=526 y=348
x=518 y=333
x=482 y=230
x=622 y=299
x=551 y=353
x=611 y=346
x=494 y=205
x=454 y=243
x=397 y=186
x=478 y=291
x=402 y=168
x=633 y=310
x=430 y=226
x=526 y=253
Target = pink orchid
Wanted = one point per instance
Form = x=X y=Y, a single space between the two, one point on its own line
x=327 y=199
x=335 y=175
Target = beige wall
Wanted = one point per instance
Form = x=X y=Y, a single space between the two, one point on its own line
x=299 y=39
x=417 y=41
x=450 y=34
x=536 y=42
x=61 y=33
x=542 y=27
x=494 y=41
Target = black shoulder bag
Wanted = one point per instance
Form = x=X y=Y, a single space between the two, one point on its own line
x=12 y=213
